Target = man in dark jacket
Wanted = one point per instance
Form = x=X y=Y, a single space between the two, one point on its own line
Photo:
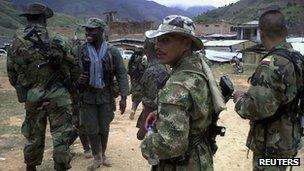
x=100 y=62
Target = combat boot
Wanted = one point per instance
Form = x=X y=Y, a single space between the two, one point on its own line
x=87 y=154
x=95 y=165
x=106 y=161
x=30 y=168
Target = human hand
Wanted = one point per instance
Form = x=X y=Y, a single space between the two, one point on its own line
x=151 y=119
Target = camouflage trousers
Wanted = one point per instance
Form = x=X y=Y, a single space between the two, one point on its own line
x=33 y=129
x=256 y=167
x=136 y=94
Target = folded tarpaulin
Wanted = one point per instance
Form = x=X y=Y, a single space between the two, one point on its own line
x=220 y=56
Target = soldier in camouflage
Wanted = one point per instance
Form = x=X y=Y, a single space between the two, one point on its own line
x=136 y=67
x=184 y=104
x=101 y=62
x=44 y=89
x=271 y=101
x=153 y=79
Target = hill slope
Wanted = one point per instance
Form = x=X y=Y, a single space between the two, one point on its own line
x=197 y=10
x=127 y=9
x=247 y=10
x=10 y=20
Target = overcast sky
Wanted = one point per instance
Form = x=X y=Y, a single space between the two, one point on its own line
x=188 y=3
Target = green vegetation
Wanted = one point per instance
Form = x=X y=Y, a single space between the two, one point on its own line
x=248 y=10
x=10 y=20
x=63 y=20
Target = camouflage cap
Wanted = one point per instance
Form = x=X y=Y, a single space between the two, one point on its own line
x=177 y=24
x=38 y=8
x=95 y=23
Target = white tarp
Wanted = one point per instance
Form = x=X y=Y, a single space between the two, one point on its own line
x=223 y=43
x=220 y=56
x=298 y=47
x=295 y=40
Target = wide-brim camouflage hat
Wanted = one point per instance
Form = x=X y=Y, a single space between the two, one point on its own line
x=177 y=24
x=38 y=8
x=95 y=23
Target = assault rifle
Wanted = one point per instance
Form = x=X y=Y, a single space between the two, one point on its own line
x=44 y=50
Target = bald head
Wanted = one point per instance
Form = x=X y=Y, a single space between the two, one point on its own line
x=272 y=24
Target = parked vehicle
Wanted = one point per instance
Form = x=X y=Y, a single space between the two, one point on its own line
x=237 y=65
x=3 y=53
x=126 y=54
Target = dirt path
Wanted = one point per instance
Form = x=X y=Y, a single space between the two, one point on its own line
x=125 y=153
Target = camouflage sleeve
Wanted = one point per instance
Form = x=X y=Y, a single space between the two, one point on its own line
x=273 y=83
x=11 y=72
x=70 y=62
x=171 y=139
x=120 y=72
x=12 y=67
x=149 y=89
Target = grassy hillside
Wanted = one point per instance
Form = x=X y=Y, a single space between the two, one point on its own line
x=10 y=19
x=138 y=10
x=247 y=10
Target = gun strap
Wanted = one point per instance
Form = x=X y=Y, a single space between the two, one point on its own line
x=22 y=40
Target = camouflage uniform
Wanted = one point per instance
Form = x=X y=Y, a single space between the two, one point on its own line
x=137 y=66
x=44 y=97
x=151 y=82
x=184 y=113
x=273 y=87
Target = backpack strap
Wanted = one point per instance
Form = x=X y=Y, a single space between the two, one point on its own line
x=291 y=56
x=284 y=108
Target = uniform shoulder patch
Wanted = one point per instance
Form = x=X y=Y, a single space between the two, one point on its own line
x=266 y=61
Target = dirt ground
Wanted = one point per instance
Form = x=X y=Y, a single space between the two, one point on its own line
x=123 y=146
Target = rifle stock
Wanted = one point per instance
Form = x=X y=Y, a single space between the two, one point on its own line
x=227 y=89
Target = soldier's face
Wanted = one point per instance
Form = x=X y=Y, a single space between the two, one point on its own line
x=93 y=34
x=170 y=48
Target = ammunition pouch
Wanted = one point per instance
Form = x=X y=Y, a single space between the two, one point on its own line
x=21 y=93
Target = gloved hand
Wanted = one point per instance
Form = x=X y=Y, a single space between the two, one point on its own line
x=122 y=104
